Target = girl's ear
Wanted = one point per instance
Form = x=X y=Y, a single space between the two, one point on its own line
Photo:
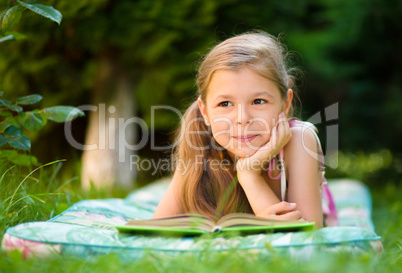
x=288 y=102
x=203 y=110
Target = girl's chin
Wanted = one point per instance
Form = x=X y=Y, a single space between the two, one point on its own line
x=241 y=153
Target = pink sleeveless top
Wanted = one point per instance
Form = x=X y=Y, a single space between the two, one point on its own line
x=328 y=204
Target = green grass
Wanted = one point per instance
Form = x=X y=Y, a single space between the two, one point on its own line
x=43 y=194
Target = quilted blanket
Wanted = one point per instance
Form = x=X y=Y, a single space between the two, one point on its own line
x=87 y=229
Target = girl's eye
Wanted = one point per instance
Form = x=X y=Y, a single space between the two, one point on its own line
x=225 y=104
x=259 y=101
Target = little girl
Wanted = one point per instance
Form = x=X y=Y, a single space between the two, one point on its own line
x=241 y=128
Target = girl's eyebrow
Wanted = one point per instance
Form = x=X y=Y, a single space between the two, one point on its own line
x=262 y=93
x=223 y=97
x=257 y=94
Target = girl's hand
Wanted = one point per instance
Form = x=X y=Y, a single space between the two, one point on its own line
x=281 y=211
x=280 y=136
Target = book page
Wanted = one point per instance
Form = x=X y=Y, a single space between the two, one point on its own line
x=182 y=221
x=246 y=219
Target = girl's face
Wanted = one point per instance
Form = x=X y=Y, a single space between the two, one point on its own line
x=241 y=108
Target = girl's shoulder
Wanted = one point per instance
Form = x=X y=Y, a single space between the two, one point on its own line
x=304 y=141
x=304 y=134
x=304 y=131
x=296 y=123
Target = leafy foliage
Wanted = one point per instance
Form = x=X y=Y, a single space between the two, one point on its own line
x=46 y=11
x=13 y=14
x=351 y=61
x=14 y=121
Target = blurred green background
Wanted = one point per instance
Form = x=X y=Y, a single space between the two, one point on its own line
x=349 y=52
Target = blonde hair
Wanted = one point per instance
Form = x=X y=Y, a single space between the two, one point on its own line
x=204 y=186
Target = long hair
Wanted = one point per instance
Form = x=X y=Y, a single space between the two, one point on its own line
x=206 y=168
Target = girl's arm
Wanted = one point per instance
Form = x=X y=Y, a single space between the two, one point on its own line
x=169 y=204
x=304 y=177
x=262 y=199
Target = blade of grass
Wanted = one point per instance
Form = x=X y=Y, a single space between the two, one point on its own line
x=4 y=174
x=67 y=182
x=51 y=180
x=25 y=197
x=26 y=177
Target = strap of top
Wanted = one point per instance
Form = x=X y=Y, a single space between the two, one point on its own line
x=282 y=174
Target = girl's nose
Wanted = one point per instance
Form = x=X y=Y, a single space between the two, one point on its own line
x=243 y=115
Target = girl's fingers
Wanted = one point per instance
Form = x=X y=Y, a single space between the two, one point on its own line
x=283 y=126
x=282 y=211
x=279 y=208
x=280 y=136
x=274 y=137
x=293 y=215
x=284 y=134
x=287 y=128
x=288 y=133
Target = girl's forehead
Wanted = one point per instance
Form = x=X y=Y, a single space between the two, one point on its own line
x=239 y=84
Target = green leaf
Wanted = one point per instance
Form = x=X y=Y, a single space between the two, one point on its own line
x=62 y=113
x=5 y=114
x=7 y=153
x=15 y=108
x=8 y=17
x=3 y=139
x=17 y=35
x=27 y=100
x=46 y=11
x=22 y=159
x=13 y=131
x=5 y=102
x=21 y=143
x=32 y=121
x=4 y=125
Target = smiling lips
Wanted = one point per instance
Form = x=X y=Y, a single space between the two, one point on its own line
x=245 y=138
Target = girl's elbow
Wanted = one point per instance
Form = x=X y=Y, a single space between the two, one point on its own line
x=318 y=225
x=318 y=222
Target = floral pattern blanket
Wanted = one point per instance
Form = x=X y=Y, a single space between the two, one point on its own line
x=87 y=229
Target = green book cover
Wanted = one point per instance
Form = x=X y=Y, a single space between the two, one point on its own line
x=195 y=225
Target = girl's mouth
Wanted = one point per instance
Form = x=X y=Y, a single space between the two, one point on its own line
x=245 y=138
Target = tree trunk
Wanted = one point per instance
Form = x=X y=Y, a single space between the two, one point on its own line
x=106 y=160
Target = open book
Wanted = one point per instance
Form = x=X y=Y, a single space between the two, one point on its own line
x=195 y=224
